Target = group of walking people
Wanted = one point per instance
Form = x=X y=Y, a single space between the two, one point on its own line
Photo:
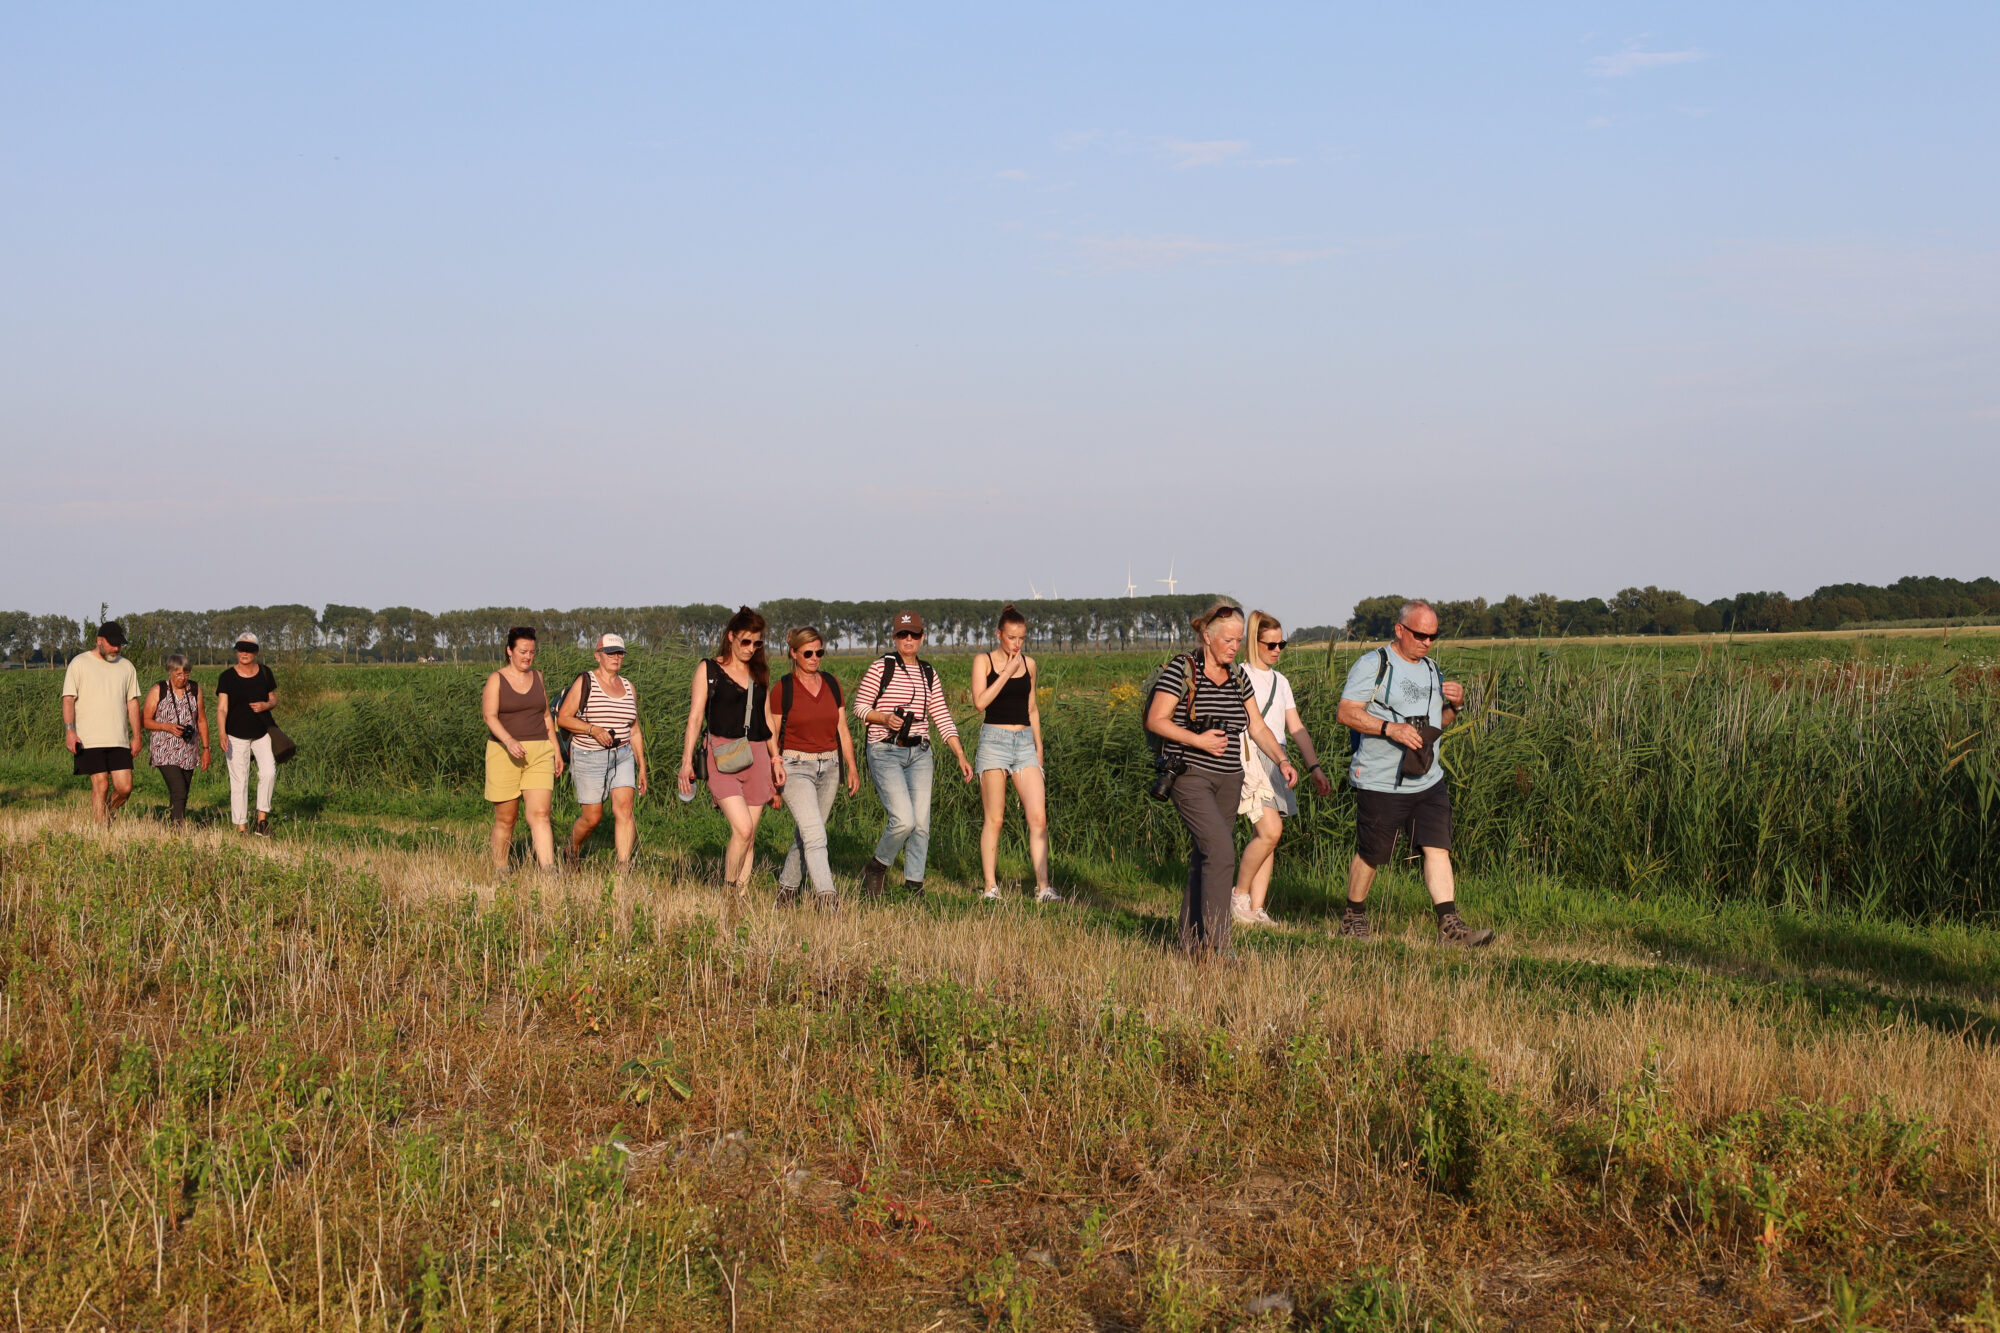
x=106 y=715
x=1225 y=734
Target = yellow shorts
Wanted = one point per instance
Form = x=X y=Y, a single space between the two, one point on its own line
x=507 y=777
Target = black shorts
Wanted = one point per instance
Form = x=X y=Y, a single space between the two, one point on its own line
x=103 y=759
x=1380 y=815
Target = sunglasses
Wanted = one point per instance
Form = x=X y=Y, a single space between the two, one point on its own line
x=612 y=652
x=1275 y=645
x=752 y=644
x=812 y=652
x=909 y=634
x=1417 y=634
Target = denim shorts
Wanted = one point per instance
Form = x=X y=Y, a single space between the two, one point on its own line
x=597 y=773
x=1008 y=751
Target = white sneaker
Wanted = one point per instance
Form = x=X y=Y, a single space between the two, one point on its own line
x=991 y=895
x=1240 y=913
x=1047 y=895
x=1263 y=917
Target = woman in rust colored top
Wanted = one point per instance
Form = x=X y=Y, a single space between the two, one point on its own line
x=807 y=714
x=522 y=758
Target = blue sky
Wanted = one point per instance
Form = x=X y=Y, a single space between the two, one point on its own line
x=459 y=305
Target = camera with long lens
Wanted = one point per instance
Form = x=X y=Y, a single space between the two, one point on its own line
x=1165 y=770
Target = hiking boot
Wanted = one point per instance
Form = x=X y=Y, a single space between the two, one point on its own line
x=874 y=877
x=1354 y=925
x=828 y=903
x=262 y=828
x=1453 y=930
x=914 y=887
x=788 y=897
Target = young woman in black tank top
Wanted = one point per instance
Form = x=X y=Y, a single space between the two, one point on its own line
x=1010 y=745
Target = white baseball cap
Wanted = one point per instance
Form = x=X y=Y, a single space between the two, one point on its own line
x=247 y=636
x=610 y=643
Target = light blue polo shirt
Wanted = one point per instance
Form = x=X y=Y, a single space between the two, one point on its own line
x=1409 y=691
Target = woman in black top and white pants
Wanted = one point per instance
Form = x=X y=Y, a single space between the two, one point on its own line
x=1207 y=791
x=1010 y=745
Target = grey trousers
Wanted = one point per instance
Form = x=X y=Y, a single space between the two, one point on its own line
x=1207 y=806
x=811 y=782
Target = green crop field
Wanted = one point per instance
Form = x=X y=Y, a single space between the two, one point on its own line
x=1732 y=1063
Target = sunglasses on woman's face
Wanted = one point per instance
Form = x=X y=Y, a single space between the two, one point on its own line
x=752 y=644
x=908 y=634
x=812 y=652
x=1275 y=645
x=612 y=652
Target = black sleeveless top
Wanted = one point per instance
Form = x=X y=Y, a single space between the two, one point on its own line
x=725 y=706
x=1009 y=707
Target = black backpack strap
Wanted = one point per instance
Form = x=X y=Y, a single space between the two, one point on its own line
x=839 y=698
x=888 y=670
x=784 y=708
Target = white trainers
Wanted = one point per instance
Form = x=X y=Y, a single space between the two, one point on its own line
x=1263 y=917
x=1239 y=910
x=991 y=895
x=1045 y=894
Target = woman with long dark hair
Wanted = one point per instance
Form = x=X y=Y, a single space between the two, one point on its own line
x=1004 y=682
x=745 y=770
x=1201 y=709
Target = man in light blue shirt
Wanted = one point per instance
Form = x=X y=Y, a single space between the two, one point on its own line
x=1398 y=779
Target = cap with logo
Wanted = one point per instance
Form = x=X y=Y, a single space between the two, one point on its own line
x=909 y=620
x=610 y=643
x=112 y=633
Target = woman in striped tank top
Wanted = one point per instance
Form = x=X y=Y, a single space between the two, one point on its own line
x=607 y=750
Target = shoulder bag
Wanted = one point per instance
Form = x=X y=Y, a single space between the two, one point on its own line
x=736 y=754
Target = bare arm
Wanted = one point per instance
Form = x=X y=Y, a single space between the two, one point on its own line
x=845 y=732
x=132 y=722
x=489 y=708
x=697 y=709
x=1354 y=715
x=1160 y=721
x=1304 y=740
x=149 y=714
x=555 y=733
x=69 y=722
x=1261 y=737
x=638 y=756
x=998 y=665
x=1035 y=712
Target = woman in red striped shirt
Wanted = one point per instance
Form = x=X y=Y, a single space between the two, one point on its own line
x=901 y=700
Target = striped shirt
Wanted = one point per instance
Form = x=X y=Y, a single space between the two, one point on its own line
x=617 y=716
x=906 y=690
x=1214 y=706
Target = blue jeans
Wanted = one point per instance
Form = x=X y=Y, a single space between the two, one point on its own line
x=810 y=784
x=597 y=772
x=903 y=781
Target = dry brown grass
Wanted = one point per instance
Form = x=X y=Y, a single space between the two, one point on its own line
x=444 y=1162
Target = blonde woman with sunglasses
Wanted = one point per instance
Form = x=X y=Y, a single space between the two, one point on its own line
x=1268 y=799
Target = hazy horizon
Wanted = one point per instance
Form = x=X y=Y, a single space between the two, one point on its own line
x=498 y=305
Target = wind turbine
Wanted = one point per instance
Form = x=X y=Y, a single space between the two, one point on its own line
x=1169 y=580
x=1131 y=588
x=1033 y=589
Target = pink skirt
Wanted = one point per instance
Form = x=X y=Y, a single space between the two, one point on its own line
x=753 y=784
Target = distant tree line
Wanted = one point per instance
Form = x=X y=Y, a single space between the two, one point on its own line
x=1651 y=610
x=409 y=634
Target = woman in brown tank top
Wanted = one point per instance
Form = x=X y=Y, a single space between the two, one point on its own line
x=522 y=758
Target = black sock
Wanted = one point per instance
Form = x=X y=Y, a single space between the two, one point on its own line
x=1444 y=909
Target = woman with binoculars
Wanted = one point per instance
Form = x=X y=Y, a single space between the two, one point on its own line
x=1200 y=708
x=901 y=700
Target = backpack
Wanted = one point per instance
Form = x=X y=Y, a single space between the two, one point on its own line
x=785 y=699
x=555 y=710
x=1354 y=738
x=889 y=673
x=1154 y=741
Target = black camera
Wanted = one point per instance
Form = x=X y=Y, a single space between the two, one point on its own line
x=1165 y=770
x=904 y=733
x=188 y=733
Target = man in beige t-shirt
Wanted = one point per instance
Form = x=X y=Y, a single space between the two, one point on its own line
x=101 y=720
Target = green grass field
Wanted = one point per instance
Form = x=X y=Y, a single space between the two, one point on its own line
x=344 y=1079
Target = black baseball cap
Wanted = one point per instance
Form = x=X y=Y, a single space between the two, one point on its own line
x=112 y=633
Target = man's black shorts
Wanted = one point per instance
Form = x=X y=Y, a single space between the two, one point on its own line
x=1380 y=815
x=103 y=759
